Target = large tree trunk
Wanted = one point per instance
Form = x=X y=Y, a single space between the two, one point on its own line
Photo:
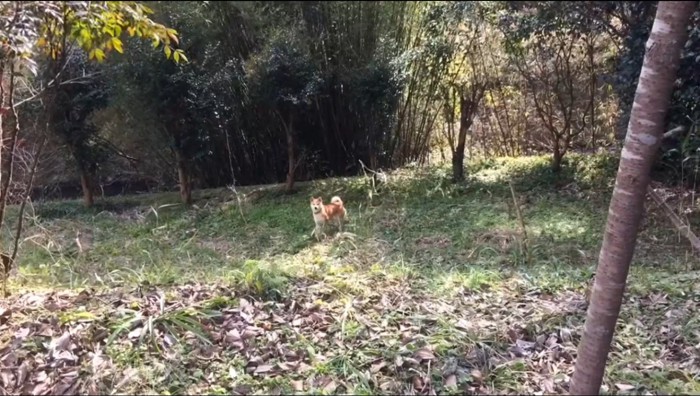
x=557 y=156
x=86 y=184
x=651 y=102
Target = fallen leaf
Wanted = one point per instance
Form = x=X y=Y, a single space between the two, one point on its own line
x=135 y=333
x=424 y=354
x=376 y=367
x=526 y=345
x=477 y=376
x=7 y=377
x=298 y=385
x=22 y=373
x=330 y=386
x=5 y=315
x=451 y=381
x=265 y=368
x=419 y=383
x=565 y=335
x=625 y=387
x=548 y=386
x=61 y=343
x=22 y=333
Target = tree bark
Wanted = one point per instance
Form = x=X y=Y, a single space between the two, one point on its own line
x=291 y=166
x=9 y=129
x=467 y=110
x=86 y=184
x=654 y=89
x=557 y=156
x=184 y=179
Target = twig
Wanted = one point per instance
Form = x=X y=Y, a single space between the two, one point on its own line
x=26 y=197
x=524 y=242
x=683 y=228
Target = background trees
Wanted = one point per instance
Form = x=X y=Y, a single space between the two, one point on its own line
x=287 y=91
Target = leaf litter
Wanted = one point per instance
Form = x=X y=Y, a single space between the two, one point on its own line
x=391 y=339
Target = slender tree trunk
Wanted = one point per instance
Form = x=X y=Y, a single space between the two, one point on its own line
x=184 y=179
x=8 y=136
x=458 y=164
x=654 y=89
x=467 y=110
x=291 y=166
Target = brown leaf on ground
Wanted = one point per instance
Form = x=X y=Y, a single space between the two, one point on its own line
x=451 y=381
x=424 y=354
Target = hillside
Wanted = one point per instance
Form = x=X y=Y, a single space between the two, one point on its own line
x=431 y=289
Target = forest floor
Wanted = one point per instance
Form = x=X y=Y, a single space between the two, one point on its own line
x=431 y=289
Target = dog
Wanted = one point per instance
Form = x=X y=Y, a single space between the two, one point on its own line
x=324 y=213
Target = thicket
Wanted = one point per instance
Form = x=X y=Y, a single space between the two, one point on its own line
x=268 y=92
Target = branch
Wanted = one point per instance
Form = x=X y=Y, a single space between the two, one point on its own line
x=115 y=149
x=675 y=219
x=78 y=80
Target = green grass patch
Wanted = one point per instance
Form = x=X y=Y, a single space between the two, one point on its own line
x=431 y=284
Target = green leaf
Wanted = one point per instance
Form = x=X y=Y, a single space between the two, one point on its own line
x=168 y=51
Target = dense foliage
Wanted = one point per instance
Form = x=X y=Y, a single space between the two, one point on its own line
x=272 y=91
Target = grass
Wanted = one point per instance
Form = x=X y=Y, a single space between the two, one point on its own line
x=429 y=288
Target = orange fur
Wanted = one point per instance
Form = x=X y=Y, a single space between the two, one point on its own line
x=324 y=213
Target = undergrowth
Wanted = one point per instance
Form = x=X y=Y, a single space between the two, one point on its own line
x=432 y=286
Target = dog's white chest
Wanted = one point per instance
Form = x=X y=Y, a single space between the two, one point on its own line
x=319 y=218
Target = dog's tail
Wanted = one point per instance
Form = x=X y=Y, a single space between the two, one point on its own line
x=337 y=201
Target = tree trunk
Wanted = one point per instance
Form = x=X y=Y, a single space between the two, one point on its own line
x=654 y=89
x=458 y=164
x=291 y=160
x=467 y=109
x=184 y=179
x=9 y=129
x=557 y=157
x=86 y=184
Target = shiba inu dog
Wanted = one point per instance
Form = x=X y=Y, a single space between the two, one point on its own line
x=324 y=213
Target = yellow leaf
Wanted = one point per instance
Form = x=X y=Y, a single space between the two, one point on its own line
x=168 y=51
x=117 y=44
x=156 y=41
x=91 y=55
x=174 y=38
x=99 y=54
x=41 y=42
x=179 y=55
x=131 y=30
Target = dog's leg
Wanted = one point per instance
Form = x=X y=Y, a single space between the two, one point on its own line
x=315 y=233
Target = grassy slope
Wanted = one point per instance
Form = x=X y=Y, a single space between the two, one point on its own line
x=431 y=290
